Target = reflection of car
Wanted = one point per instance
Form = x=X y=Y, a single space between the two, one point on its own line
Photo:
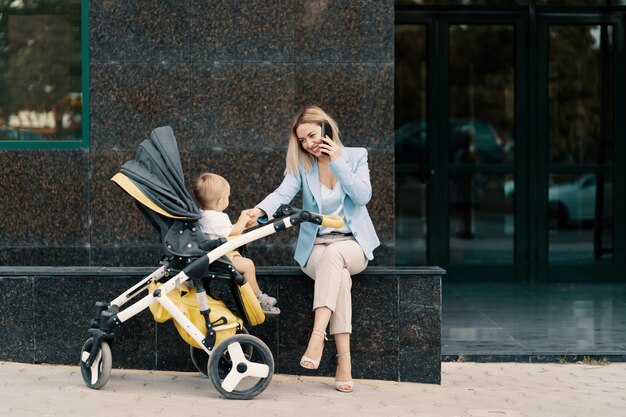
x=490 y=144
x=576 y=201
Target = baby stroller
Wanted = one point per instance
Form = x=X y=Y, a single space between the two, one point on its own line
x=239 y=365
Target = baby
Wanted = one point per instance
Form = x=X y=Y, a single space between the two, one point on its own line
x=212 y=192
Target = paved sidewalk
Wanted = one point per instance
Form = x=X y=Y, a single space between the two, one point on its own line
x=467 y=389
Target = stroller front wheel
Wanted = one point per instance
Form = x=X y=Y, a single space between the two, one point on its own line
x=99 y=373
x=241 y=367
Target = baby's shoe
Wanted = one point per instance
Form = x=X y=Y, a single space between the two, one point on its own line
x=269 y=309
x=262 y=297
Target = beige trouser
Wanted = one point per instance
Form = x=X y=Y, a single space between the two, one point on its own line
x=332 y=262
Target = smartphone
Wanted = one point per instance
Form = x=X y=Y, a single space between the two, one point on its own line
x=326 y=131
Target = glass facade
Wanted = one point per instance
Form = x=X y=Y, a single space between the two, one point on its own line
x=508 y=150
x=40 y=71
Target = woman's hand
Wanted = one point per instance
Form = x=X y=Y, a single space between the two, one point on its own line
x=331 y=148
x=253 y=214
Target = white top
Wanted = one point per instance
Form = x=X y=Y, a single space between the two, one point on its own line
x=215 y=224
x=332 y=203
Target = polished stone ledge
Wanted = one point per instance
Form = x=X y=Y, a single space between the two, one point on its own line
x=396 y=320
x=34 y=271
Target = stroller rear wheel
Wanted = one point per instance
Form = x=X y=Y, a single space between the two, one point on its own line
x=241 y=367
x=99 y=373
x=200 y=358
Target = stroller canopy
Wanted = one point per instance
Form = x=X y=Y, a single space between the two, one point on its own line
x=155 y=177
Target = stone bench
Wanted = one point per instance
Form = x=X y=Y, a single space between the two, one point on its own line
x=45 y=313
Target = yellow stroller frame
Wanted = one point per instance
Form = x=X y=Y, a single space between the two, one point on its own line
x=240 y=365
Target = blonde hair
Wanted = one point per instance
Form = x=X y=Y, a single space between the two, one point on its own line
x=296 y=155
x=209 y=188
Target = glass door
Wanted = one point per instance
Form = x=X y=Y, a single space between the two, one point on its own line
x=577 y=147
x=480 y=136
x=412 y=144
x=457 y=124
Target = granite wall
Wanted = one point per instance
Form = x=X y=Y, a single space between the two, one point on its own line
x=396 y=321
x=228 y=76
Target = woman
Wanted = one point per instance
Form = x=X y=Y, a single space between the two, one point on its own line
x=333 y=180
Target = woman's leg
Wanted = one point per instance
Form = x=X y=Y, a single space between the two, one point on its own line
x=331 y=266
x=348 y=259
x=333 y=284
x=343 y=375
x=315 y=347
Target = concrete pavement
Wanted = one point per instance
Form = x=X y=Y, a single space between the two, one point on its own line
x=467 y=390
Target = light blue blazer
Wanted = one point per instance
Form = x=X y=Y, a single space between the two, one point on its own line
x=352 y=172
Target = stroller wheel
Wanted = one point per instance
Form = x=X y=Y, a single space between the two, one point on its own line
x=98 y=374
x=241 y=367
x=200 y=358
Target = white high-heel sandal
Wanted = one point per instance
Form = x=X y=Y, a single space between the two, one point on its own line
x=344 y=386
x=308 y=362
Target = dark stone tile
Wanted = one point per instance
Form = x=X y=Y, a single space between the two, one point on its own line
x=44 y=256
x=296 y=318
x=376 y=364
x=418 y=292
x=420 y=329
x=223 y=30
x=420 y=345
x=353 y=94
x=381 y=207
x=252 y=174
x=128 y=101
x=61 y=322
x=384 y=255
x=141 y=255
x=241 y=105
x=267 y=253
x=173 y=353
x=17 y=328
x=42 y=205
x=419 y=365
x=115 y=219
x=344 y=31
x=139 y=31
x=374 y=341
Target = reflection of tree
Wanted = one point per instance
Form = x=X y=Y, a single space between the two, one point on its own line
x=410 y=74
x=575 y=94
x=481 y=80
x=40 y=62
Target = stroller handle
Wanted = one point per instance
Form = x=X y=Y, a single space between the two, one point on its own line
x=299 y=216
x=334 y=221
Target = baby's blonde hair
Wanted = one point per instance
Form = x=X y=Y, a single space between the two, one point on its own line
x=295 y=153
x=209 y=188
